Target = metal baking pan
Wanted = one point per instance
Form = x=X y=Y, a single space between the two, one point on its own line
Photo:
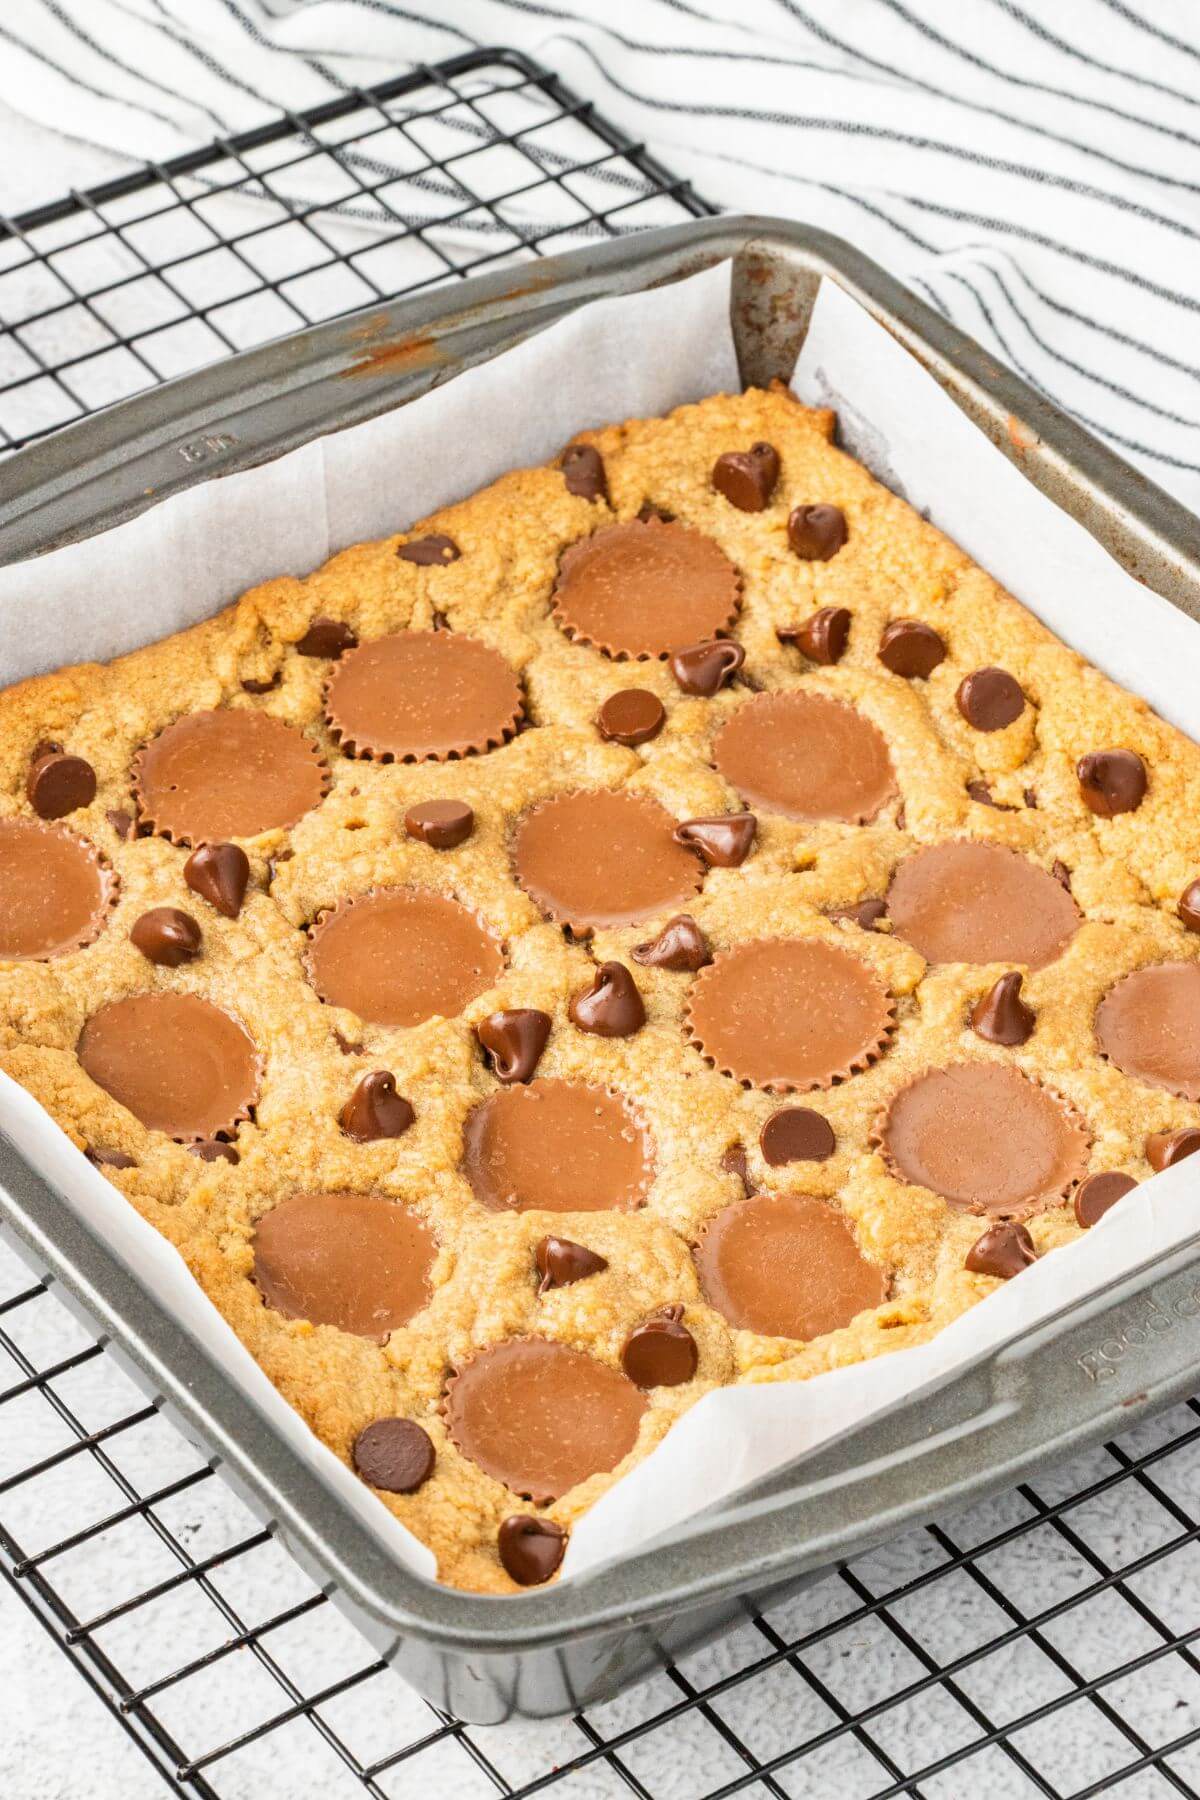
x=1092 y=1369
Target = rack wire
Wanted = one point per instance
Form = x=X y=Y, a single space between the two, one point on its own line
x=1046 y=1643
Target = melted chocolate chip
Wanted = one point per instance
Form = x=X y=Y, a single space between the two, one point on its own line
x=661 y=1351
x=396 y=1455
x=910 y=648
x=1001 y=1016
x=1189 y=906
x=990 y=699
x=648 y=510
x=560 y=1262
x=345 y=1045
x=1061 y=874
x=1165 y=1148
x=376 y=1110
x=530 y=1548
x=1002 y=1252
x=442 y=824
x=735 y=1162
x=632 y=716
x=327 y=638
x=816 y=533
x=59 y=783
x=704 y=669
x=612 y=1006
x=747 y=477
x=1095 y=1196
x=513 y=1042
x=432 y=551
x=110 y=1159
x=253 y=686
x=823 y=637
x=680 y=945
x=1030 y=798
x=866 y=914
x=212 y=1150
x=724 y=843
x=121 y=822
x=980 y=791
x=796 y=1134
x=1111 y=781
x=583 y=472
x=220 y=874
x=166 y=936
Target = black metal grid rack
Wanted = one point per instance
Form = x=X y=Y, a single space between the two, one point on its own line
x=1043 y=1644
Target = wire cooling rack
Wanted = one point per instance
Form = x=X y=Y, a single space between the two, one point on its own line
x=1046 y=1643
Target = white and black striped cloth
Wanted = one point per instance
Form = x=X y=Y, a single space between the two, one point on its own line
x=1032 y=169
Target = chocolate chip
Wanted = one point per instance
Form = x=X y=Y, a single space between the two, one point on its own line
x=705 y=668
x=612 y=1006
x=275 y=863
x=59 y=783
x=110 y=1159
x=866 y=914
x=439 y=621
x=1061 y=874
x=648 y=510
x=901 y=819
x=632 y=716
x=910 y=648
x=816 y=533
x=990 y=699
x=328 y=638
x=724 y=843
x=560 y=1262
x=530 y=1548
x=376 y=1110
x=823 y=637
x=442 y=824
x=680 y=945
x=1111 y=781
x=980 y=791
x=396 y=1455
x=166 y=936
x=434 y=550
x=513 y=1042
x=212 y=1150
x=661 y=1351
x=1098 y=1193
x=219 y=873
x=254 y=686
x=1165 y=1148
x=1030 y=798
x=735 y=1162
x=1003 y=1252
x=121 y=822
x=796 y=1134
x=1001 y=1016
x=1189 y=906
x=345 y=1045
x=583 y=472
x=747 y=477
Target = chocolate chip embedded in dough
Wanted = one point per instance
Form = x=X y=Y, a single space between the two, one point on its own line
x=59 y=784
x=816 y=533
x=1001 y=1016
x=661 y=1351
x=823 y=637
x=166 y=936
x=583 y=472
x=806 y=756
x=212 y=1150
x=327 y=638
x=734 y=1161
x=703 y=669
x=434 y=551
x=910 y=648
x=1061 y=874
x=1165 y=1148
x=375 y=1110
x=1100 y=1192
x=266 y=686
x=990 y=699
x=1111 y=781
x=347 y=1046
x=358 y=1262
x=723 y=843
x=530 y=1548
x=1189 y=906
x=394 y=1455
x=747 y=478
x=110 y=1159
x=1001 y=1252
x=442 y=824
x=611 y=1007
x=220 y=874
x=632 y=716
x=561 y=1261
x=866 y=914
x=121 y=821
x=796 y=1134
x=680 y=945
x=981 y=792
x=513 y=1041
x=786 y=1265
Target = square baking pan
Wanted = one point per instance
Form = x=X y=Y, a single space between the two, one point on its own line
x=1094 y=1367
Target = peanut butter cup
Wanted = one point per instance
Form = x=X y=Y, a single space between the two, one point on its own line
x=643 y=588
x=976 y=902
x=602 y=858
x=398 y=956
x=1149 y=1026
x=786 y=1265
x=227 y=774
x=541 y=1417
x=556 y=1146
x=422 y=696
x=357 y=1261
x=985 y=1137
x=789 y=1014
x=807 y=757
x=55 y=891
x=178 y=1063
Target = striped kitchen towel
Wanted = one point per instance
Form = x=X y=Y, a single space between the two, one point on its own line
x=1033 y=171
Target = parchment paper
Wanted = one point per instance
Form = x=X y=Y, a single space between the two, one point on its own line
x=615 y=359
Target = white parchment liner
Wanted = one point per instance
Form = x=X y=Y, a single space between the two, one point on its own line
x=616 y=359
